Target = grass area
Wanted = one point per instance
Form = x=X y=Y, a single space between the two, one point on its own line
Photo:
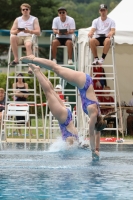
x=128 y=137
x=15 y=133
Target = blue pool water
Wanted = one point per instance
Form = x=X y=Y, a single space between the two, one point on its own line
x=38 y=174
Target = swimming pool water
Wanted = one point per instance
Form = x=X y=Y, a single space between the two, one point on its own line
x=37 y=174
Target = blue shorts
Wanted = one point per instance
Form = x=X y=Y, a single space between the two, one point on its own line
x=64 y=131
x=85 y=101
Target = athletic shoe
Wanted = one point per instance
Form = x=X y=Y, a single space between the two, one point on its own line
x=95 y=62
x=13 y=63
x=100 y=61
x=55 y=61
x=70 y=62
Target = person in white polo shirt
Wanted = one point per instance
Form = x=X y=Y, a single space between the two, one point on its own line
x=21 y=32
x=63 y=21
x=103 y=28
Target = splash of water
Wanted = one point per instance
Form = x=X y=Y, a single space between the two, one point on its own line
x=60 y=145
x=83 y=143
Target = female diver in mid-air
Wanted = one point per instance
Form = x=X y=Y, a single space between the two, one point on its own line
x=84 y=84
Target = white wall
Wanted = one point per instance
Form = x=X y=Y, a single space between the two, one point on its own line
x=124 y=67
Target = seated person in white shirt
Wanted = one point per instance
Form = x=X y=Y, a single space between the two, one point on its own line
x=63 y=21
x=104 y=29
x=23 y=36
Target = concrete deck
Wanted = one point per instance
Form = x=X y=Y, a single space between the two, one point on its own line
x=21 y=140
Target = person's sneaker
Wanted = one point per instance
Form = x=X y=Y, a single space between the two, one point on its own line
x=95 y=62
x=13 y=63
x=70 y=62
x=55 y=61
x=100 y=61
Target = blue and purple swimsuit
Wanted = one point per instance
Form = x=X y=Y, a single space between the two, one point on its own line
x=85 y=101
x=64 y=131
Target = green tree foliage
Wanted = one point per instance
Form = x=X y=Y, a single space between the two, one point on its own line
x=45 y=10
x=84 y=11
x=3 y=80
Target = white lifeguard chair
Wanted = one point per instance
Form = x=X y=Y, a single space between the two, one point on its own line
x=9 y=118
x=21 y=68
x=65 y=52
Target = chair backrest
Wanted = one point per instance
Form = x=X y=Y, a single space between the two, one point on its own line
x=35 y=40
x=74 y=39
x=18 y=107
x=18 y=110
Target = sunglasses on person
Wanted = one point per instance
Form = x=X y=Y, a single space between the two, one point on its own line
x=25 y=9
x=102 y=10
x=62 y=12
